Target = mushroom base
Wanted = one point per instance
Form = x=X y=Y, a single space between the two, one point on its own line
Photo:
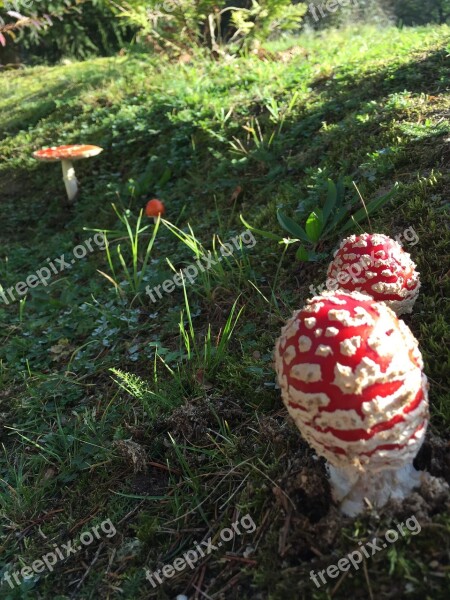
x=350 y=488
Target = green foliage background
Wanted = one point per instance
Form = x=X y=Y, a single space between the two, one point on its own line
x=79 y=29
x=67 y=28
x=418 y=12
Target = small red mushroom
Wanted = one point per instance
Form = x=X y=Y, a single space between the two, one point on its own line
x=67 y=154
x=351 y=377
x=154 y=208
x=376 y=265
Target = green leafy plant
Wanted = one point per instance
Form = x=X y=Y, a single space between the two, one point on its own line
x=415 y=12
x=210 y=354
x=226 y=271
x=152 y=400
x=260 y=19
x=53 y=29
x=199 y=355
x=16 y=22
x=335 y=217
x=180 y=25
x=137 y=253
x=257 y=143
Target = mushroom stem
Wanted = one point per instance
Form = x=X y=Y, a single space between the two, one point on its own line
x=349 y=487
x=70 y=181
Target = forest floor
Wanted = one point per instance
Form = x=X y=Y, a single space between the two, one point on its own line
x=160 y=422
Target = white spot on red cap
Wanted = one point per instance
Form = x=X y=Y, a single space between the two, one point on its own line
x=331 y=331
x=304 y=343
x=323 y=350
x=350 y=346
x=289 y=354
x=306 y=372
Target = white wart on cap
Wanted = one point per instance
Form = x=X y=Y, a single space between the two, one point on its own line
x=351 y=377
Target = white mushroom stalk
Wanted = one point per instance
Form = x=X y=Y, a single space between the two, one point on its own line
x=351 y=377
x=68 y=154
x=70 y=180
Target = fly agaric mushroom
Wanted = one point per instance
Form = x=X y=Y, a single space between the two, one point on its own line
x=351 y=378
x=376 y=265
x=67 y=154
x=154 y=208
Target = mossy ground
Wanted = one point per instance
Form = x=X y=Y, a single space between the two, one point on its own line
x=213 y=140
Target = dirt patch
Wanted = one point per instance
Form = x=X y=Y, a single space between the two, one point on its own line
x=194 y=420
x=309 y=523
x=434 y=456
x=152 y=483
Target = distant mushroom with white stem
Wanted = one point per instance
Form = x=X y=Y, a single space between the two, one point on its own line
x=351 y=377
x=66 y=155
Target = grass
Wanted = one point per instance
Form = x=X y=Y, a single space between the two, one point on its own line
x=164 y=416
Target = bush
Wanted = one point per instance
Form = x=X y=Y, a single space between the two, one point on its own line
x=357 y=11
x=418 y=12
x=52 y=29
x=177 y=25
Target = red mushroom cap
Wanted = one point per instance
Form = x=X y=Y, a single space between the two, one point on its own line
x=351 y=378
x=376 y=265
x=71 y=152
x=154 y=208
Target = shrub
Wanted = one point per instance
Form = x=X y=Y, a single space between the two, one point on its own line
x=52 y=29
x=418 y=12
x=363 y=11
x=177 y=25
x=11 y=23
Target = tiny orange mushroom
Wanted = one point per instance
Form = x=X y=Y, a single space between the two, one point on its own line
x=154 y=208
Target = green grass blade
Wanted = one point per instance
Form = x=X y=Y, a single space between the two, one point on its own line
x=375 y=205
x=266 y=234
